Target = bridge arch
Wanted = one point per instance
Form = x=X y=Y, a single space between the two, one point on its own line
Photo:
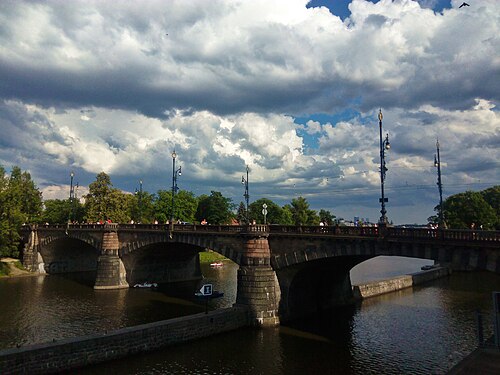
x=316 y=285
x=67 y=254
x=229 y=247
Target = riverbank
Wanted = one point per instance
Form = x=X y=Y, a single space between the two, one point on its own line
x=10 y=267
x=397 y=283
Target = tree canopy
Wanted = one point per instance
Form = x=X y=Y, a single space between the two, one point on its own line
x=20 y=202
x=274 y=212
x=472 y=209
x=301 y=213
x=215 y=208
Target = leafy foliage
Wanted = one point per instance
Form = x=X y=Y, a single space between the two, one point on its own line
x=326 y=217
x=463 y=210
x=216 y=208
x=104 y=202
x=20 y=202
x=301 y=214
x=142 y=207
x=274 y=212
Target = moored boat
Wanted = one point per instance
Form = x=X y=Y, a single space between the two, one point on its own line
x=146 y=285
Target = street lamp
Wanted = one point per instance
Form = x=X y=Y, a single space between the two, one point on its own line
x=71 y=195
x=175 y=173
x=437 y=164
x=246 y=195
x=139 y=199
x=384 y=145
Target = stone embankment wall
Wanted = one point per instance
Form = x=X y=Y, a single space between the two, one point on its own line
x=82 y=351
x=401 y=282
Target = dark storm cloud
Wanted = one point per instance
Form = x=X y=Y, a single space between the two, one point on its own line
x=271 y=67
x=98 y=86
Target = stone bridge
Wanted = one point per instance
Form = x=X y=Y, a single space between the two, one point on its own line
x=284 y=271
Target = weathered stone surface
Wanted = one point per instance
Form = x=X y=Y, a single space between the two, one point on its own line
x=311 y=264
x=397 y=283
x=76 y=352
x=110 y=273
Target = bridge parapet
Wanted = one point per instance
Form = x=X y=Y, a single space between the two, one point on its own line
x=324 y=230
x=473 y=236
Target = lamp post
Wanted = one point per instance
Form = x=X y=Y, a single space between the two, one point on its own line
x=246 y=195
x=384 y=145
x=175 y=173
x=437 y=164
x=140 y=201
x=71 y=194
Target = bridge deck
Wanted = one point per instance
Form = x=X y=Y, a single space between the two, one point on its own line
x=389 y=233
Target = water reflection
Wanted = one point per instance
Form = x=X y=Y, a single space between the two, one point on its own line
x=384 y=267
x=47 y=308
x=420 y=330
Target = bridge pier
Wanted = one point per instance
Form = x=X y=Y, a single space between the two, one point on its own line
x=258 y=288
x=30 y=252
x=111 y=272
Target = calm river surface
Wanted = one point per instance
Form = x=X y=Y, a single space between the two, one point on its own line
x=422 y=330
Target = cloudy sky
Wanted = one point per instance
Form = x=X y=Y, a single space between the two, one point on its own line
x=289 y=87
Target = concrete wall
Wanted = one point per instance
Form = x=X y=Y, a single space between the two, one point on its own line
x=81 y=351
x=391 y=285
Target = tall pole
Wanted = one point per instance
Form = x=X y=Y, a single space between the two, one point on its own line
x=174 y=186
x=140 y=201
x=246 y=195
x=384 y=145
x=175 y=172
x=437 y=164
x=71 y=193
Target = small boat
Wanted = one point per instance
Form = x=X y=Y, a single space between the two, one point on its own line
x=216 y=264
x=146 y=285
x=215 y=294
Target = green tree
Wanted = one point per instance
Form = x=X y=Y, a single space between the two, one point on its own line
x=20 y=202
x=287 y=215
x=492 y=197
x=216 y=208
x=24 y=195
x=274 y=212
x=142 y=207
x=8 y=233
x=104 y=202
x=56 y=211
x=463 y=209
x=185 y=206
x=119 y=206
x=96 y=201
x=163 y=206
x=301 y=213
x=326 y=217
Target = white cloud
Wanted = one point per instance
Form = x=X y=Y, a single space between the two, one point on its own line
x=95 y=86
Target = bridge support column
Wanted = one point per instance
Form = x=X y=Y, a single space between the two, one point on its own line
x=111 y=272
x=30 y=252
x=258 y=287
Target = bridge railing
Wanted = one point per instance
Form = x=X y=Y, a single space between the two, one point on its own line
x=388 y=232
x=184 y=228
x=325 y=230
x=444 y=234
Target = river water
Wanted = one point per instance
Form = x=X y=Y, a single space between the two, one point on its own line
x=421 y=330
